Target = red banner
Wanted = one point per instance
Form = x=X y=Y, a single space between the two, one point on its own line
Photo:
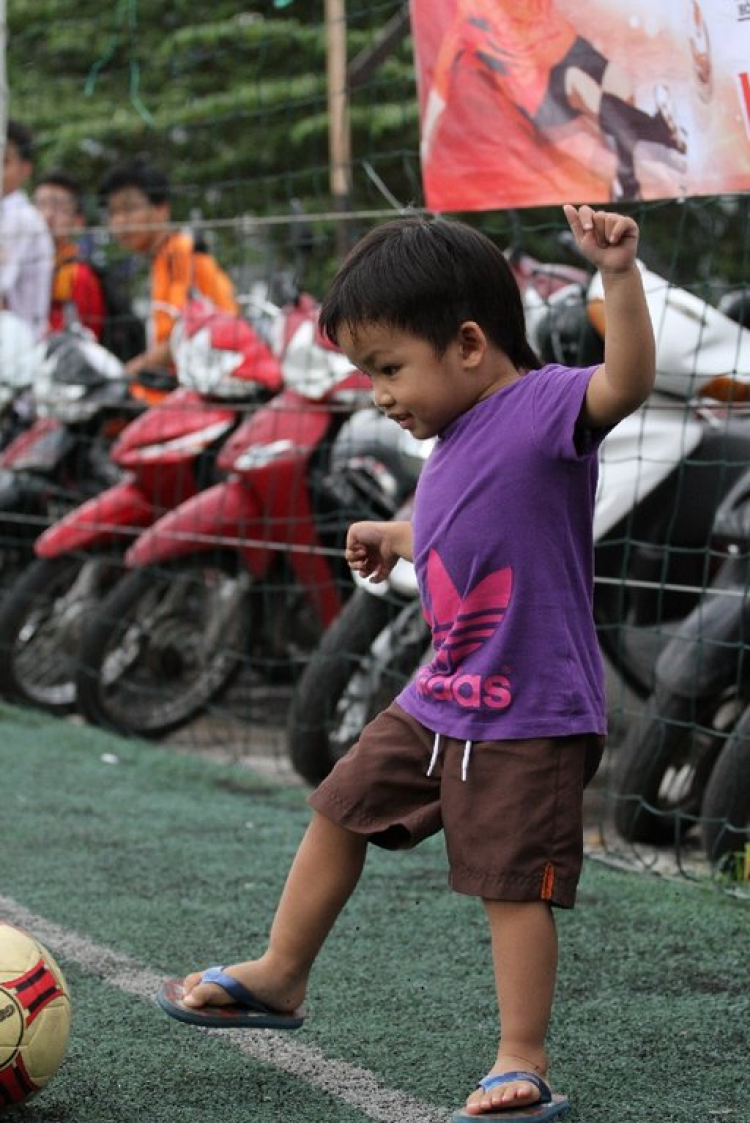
x=535 y=102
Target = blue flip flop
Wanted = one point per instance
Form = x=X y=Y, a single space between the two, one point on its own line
x=246 y=1011
x=548 y=1106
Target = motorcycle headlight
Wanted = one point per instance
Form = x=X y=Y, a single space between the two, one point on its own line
x=192 y=444
x=66 y=403
x=258 y=456
x=230 y=389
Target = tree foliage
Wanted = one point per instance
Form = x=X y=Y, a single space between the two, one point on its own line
x=233 y=104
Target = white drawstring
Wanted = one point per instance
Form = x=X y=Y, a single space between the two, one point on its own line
x=435 y=752
x=465 y=760
x=468 y=745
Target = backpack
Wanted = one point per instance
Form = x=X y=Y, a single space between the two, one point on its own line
x=123 y=332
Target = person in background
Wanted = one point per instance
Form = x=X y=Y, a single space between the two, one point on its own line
x=137 y=198
x=26 y=248
x=77 y=293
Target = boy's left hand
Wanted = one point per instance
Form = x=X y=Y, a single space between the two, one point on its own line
x=608 y=240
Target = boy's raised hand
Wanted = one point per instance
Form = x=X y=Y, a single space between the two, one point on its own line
x=608 y=240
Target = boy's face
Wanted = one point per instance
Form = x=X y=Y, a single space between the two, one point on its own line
x=59 y=209
x=418 y=389
x=15 y=169
x=136 y=223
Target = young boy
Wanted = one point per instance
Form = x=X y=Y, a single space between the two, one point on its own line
x=494 y=740
x=137 y=196
x=75 y=285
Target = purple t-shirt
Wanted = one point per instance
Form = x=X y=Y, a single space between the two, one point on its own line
x=503 y=549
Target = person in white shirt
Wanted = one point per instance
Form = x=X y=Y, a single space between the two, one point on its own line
x=26 y=249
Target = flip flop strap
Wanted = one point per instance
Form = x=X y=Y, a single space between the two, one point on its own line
x=495 y=1079
x=234 y=988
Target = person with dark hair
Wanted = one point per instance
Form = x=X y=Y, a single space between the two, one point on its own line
x=26 y=249
x=77 y=293
x=137 y=196
x=494 y=739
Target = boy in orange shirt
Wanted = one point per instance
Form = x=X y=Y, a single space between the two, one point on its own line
x=137 y=197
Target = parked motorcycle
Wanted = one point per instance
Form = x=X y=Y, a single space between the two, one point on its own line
x=663 y=472
x=687 y=760
x=81 y=402
x=20 y=355
x=250 y=571
x=164 y=456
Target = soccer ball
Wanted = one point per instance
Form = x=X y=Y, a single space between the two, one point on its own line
x=34 y=1016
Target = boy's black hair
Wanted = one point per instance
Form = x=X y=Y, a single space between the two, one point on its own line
x=140 y=174
x=61 y=179
x=427 y=276
x=22 y=138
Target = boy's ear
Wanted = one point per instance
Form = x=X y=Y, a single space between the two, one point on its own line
x=472 y=342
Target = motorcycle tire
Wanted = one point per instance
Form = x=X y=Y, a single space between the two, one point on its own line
x=662 y=768
x=346 y=683
x=725 y=811
x=42 y=617
x=166 y=642
x=14 y=561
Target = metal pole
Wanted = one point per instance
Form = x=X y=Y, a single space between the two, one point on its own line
x=339 y=134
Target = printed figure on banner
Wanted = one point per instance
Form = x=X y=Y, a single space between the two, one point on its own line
x=524 y=105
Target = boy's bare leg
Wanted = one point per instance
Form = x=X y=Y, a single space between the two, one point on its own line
x=323 y=876
x=524 y=953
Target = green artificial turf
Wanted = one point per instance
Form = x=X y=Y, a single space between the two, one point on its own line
x=170 y=863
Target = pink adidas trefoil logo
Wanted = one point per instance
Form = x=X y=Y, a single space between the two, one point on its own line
x=459 y=628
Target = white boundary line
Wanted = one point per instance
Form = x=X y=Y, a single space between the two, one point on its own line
x=348 y=1083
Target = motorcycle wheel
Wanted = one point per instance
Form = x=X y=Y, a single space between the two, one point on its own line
x=662 y=769
x=42 y=617
x=165 y=642
x=14 y=561
x=725 y=812
x=366 y=656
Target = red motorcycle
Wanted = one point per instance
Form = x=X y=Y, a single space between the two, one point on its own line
x=250 y=572
x=164 y=456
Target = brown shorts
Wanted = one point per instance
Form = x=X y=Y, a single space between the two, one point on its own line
x=513 y=828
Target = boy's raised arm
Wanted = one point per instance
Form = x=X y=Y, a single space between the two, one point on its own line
x=610 y=242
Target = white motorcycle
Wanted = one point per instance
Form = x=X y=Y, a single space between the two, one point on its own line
x=663 y=472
